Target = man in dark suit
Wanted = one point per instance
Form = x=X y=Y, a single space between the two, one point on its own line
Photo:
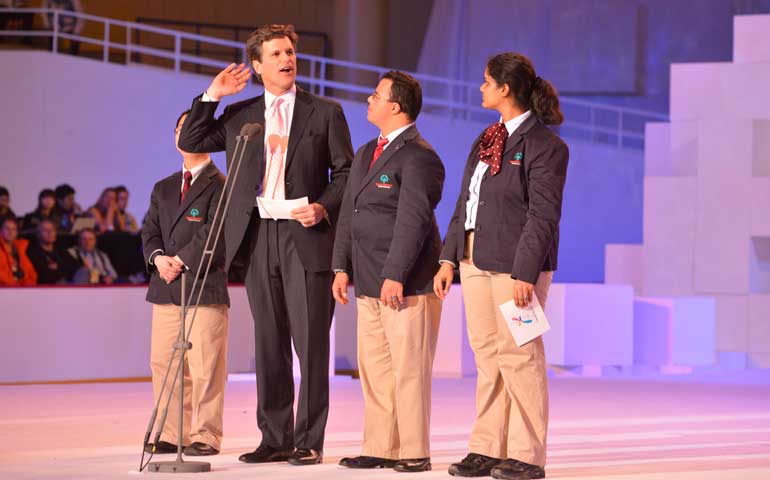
x=388 y=239
x=175 y=229
x=305 y=151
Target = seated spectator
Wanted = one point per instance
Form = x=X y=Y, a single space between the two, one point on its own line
x=5 y=204
x=94 y=265
x=46 y=201
x=105 y=211
x=124 y=221
x=66 y=209
x=15 y=267
x=52 y=264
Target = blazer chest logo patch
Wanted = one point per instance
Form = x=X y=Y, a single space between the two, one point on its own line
x=516 y=159
x=384 y=182
x=194 y=216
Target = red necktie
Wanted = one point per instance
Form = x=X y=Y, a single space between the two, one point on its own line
x=378 y=151
x=186 y=186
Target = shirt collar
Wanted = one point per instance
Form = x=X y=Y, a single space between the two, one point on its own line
x=514 y=123
x=395 y=133
x=196 y=171
x=288 y=96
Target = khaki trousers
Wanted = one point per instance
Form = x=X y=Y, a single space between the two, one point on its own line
x=205 y=372
x=511 y=386
x=395 y=361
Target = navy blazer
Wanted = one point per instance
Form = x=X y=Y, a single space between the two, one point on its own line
x=517 y=222
x=317 y=163
x=182 y=230
x=387 y=226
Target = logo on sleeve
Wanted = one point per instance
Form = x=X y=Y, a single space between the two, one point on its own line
x=194 y=216
x=384 y=182
x=516 y=159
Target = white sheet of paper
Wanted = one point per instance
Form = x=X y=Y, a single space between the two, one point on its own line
x=527 y=323
x=279 y=209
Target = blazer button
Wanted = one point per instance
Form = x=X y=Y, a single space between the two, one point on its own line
x=355 y=210
x=477 y=227
x=482 y=203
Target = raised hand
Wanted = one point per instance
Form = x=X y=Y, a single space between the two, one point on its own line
x=229 y=81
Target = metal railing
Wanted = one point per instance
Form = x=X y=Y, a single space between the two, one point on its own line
x=590 y=121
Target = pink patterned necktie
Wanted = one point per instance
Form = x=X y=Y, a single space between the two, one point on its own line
x=276 y=143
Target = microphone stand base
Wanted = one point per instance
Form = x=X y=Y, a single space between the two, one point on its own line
x=179 y=466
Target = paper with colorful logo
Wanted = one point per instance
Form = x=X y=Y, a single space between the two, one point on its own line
x=526 y=323
x=279 y=209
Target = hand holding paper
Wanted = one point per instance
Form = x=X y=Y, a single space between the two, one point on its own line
x=525 y=323
x=279 y=209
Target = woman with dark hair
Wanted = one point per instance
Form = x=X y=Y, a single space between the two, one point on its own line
x=504 y=237
x=105 y=211
x=46 y=201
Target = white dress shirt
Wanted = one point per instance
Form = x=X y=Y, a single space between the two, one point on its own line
x=393 y=135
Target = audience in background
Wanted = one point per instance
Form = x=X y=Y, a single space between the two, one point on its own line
x=52 y=264
x=46 y=201
x=95 y=266
x=105 y=211
x=124 y=221
x=5 y=204
x=48 y=233
x=66 y=207
x=15 y=267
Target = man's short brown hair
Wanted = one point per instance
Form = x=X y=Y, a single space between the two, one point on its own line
x=265 y=33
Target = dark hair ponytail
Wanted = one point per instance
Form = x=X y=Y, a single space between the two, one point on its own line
x=527 y=89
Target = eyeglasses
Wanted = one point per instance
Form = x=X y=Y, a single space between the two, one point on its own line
x=377 y=97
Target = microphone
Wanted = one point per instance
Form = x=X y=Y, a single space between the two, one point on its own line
x=250 y=130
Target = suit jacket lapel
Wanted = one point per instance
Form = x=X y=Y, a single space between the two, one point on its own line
x=303 y=109
x=518 y=135
x=388 y=153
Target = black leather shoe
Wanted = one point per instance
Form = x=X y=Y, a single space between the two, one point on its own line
x=200 y=449
x=265 y=454
x=474 y=465
x=306 y=456
x=368 y=462
x=413 y=465
x=161 y=447
x=515 y=470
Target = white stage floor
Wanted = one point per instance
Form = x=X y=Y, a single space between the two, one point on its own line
x=600 y=429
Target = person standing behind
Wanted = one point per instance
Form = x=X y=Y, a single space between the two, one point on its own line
x=389 y=240
x=174 y=233
x=504 y=235
x=305 y=151
x=15 y=267
x=51 y=264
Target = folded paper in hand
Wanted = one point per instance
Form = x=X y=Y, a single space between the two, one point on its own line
x=526 y=323
x=279 y=209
